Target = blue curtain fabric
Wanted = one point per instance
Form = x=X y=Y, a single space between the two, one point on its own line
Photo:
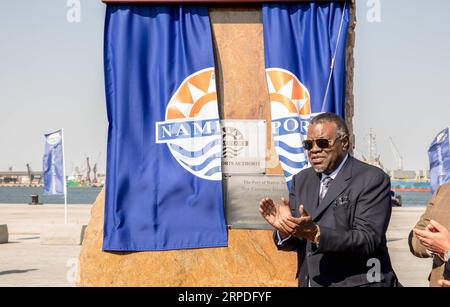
x=301 y=43
x=163 y=185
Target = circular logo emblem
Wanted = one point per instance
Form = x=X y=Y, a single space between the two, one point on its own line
x=440 y=138
x=192 y=128
x=291 y=112
x=54 y=138
x=233 y=142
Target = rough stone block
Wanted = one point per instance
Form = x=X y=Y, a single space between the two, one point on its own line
x=250 y=260
x=3 y=234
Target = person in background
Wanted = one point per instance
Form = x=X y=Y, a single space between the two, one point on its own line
x=431 y=237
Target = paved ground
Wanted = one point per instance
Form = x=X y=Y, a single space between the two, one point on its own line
x=411 y=271
x=24 y=262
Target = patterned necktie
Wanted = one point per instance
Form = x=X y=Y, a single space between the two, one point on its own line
x=325 y=184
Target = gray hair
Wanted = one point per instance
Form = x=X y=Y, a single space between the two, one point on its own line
x=341 y=126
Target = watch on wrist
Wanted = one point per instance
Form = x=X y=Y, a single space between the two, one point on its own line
x=317 y=236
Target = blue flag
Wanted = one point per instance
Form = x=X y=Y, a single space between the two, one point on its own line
x=439 y=156
x=53 y=164
x=300 y=42
x=164 y=179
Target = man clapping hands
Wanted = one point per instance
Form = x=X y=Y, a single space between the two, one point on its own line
x=281 y=218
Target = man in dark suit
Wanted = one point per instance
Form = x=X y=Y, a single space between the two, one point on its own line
x=337 y=214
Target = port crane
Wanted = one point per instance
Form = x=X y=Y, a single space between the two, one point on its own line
x=373 y=156
x=398 y=157
x=94 y=170
x=88 y=172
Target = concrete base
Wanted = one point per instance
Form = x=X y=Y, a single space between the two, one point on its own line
x=61 y=234
x=3 y=234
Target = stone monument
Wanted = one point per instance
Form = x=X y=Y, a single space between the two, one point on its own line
x=251 y=259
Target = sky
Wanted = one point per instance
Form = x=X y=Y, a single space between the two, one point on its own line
x=51 y=76
x=402 y=76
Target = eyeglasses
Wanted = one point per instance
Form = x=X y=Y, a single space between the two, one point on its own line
x=321 y=143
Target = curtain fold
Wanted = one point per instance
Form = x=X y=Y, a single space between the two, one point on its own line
x=300 y=42
x=163 y=184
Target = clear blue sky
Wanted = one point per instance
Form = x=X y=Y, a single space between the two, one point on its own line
x=51 y=76
x=402 y=76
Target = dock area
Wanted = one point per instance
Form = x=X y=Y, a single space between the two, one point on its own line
x=25 y=262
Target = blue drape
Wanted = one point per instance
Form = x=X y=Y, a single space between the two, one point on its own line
x=300 y=41
x=163 y=185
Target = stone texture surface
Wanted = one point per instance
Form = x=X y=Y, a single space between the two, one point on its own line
x=241 y=78
x=350 y=64
x=4 y=234
x=250 y=259
x=62 y=234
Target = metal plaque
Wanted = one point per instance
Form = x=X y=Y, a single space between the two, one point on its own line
x=244 y=146
x=243 y=194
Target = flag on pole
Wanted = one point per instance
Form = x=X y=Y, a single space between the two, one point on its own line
x=53 y=164
x=439 y=156
x=304 y=45
x=163 y=178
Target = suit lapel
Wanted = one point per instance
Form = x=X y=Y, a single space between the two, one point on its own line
x=337 y=186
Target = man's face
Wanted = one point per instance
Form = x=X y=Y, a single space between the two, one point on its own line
x=326 y=160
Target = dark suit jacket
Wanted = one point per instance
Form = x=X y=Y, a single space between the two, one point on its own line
x=353 y=219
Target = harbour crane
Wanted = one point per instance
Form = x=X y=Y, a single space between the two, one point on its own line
x=373 y=157
x=88 y=172
x=398 y=157
x=94 y=170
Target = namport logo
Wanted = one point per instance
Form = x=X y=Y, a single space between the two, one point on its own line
x=54 y=138
x=441 y=137
x=233 y=142
x=291 y=113
x=191 y=128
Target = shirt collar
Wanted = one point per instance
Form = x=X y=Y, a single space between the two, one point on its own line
x=336 y=171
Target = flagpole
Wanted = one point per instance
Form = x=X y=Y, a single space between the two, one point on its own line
x=64 y=178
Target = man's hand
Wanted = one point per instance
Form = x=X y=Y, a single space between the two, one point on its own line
x=444 y=283
x=305 y=228
x=435 y=238
x=277 y=215
x=280 y=217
